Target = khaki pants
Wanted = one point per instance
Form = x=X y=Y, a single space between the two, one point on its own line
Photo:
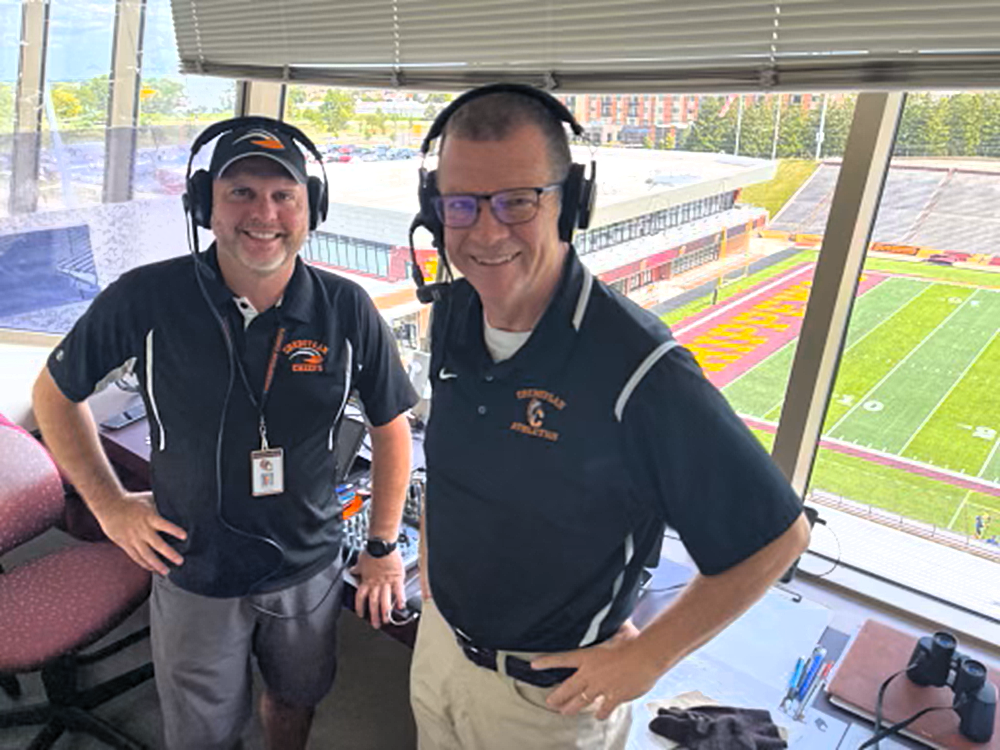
x=461 y=706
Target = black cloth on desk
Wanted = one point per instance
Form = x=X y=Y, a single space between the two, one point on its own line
x=718 y=728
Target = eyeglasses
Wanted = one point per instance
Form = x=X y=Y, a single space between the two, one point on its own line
x=516 y=206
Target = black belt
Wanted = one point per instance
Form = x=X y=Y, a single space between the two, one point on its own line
x=517 y=668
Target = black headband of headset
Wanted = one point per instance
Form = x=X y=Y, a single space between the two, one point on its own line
x=556 y=107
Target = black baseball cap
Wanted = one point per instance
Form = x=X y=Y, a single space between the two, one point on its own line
x=272 y=144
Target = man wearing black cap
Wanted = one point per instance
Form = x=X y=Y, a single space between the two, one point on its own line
x=245 y=359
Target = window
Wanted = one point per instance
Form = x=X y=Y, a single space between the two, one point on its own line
x=912 y=432
x=173 y=109
x=10 y=24
x=75 y=105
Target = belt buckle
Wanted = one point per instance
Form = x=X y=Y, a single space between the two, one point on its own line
x=483 y=657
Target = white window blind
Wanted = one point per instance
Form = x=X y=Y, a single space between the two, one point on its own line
x=597 y=45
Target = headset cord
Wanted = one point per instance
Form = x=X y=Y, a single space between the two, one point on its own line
x=201 y=267
x=880 y=733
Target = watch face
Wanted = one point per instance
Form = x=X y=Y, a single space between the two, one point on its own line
x=379 y=547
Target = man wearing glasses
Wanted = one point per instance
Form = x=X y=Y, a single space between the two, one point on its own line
x=567 y=428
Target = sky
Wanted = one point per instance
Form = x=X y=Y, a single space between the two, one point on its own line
x=80 y=39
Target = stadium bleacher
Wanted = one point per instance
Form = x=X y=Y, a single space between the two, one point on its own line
x=934 y=207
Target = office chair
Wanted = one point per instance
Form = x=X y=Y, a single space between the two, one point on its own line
x=54 y=606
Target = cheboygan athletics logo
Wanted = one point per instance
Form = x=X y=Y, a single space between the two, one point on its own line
x=535 y=412
x=305 y=355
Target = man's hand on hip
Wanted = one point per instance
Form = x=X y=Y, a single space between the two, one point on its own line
x=607 y=675
x=134 y=525
x=380 y=584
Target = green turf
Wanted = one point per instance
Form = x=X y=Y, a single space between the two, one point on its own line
x=885 y=348
x=761 y=391
x=962 y=432
x=898 y=490
x=774 y=193
x=988 y=279
x=897 y=408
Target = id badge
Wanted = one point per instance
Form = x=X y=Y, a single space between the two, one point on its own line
x=267 y=472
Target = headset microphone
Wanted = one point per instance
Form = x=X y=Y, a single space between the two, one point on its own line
x=426 y=293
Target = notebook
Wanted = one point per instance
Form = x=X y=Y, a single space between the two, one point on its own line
x=879 y=651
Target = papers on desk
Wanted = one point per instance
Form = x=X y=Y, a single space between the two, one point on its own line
x=747 y=665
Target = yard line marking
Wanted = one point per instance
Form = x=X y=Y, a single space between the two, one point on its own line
x=958 y=510
x=960 y=378
x=895 y=312
x=989 y=458
x=863 y=336
x=899 y=364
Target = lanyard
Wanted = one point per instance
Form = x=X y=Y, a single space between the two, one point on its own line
x=279 y=337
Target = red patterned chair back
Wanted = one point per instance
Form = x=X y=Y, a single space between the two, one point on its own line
x=31 y=492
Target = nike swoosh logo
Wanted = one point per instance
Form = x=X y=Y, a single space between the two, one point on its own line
x=445 y=375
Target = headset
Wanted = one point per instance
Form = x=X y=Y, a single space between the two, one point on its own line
x=578 y=190
x=198 y=186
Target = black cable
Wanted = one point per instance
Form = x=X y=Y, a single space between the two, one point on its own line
x=201 y=267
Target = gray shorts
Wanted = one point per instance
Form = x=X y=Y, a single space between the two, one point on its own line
x=202 y=648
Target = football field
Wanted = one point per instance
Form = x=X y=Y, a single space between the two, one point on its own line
x=914 y=417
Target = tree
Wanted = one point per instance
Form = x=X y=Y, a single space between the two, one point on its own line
x=966 y=122
x=337 y=110
x=6 y=108
x=837 y=126
x=94 y=95
x=65 y=102
x=712 y=131
x=796 y=134
x=160 y=97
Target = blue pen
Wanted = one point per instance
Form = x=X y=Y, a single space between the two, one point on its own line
x=818 y=655
x=793 y=683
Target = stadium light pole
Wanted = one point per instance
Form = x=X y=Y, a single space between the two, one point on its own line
x=821 y=340
x=821 y=133
x=777 y=126
x=739 y=125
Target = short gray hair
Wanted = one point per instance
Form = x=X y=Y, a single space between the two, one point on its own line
x=494 y=117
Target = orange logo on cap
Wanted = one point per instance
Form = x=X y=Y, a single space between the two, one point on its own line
x=271 y=142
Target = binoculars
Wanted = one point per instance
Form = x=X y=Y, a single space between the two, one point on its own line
x=936 y=661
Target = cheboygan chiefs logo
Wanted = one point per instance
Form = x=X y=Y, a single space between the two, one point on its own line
x=305 y=355
x=535 y=413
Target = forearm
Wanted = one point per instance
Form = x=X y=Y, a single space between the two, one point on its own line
x=70 y=434
x=710 y=603
x=391 y=452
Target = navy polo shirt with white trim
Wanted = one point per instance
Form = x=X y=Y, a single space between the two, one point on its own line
x=335 y=342
x=551 y=474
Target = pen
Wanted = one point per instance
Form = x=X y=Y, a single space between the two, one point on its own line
x=793 y=682
x=818 y=655
x=816 y=687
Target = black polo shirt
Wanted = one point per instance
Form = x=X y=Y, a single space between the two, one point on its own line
x=334 y=342
x=552 y=474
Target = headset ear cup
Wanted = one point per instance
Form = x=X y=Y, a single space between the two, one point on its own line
x=571 y=196
x=199 y=198
x=318 y=202
x=428 y=192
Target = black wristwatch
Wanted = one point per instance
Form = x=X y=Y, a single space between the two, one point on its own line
x=376 y=547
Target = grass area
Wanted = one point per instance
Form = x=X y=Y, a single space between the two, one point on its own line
x=729 y=290
x=987 y=279
x=899 y=491
x=775 y=193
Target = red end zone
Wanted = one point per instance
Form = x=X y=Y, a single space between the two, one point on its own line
x=741 y=333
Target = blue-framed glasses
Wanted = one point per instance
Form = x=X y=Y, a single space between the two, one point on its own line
x=515 y=206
